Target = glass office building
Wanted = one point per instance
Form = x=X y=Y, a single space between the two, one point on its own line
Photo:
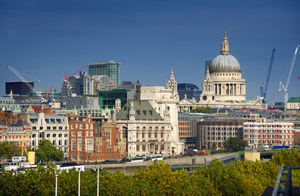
x=190 y=90
x=20 y=88
x=110 y=68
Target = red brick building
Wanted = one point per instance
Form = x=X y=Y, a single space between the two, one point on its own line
x=91 y=141
x=108 y=143
x=81 y=139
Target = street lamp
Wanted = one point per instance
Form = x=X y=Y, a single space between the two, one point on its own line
x=56 y=184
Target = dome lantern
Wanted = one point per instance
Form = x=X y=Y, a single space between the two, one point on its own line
x=225 y=62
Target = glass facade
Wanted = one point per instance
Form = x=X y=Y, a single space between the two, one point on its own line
x=111 y=69
x=20 y=88
x=190 y=90
x=107 y=98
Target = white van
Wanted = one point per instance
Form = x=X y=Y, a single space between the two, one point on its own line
x=265 y=147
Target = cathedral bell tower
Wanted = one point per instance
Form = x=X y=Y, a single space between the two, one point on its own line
x=172 y=84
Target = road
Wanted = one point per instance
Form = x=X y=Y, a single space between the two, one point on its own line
x=131 y=168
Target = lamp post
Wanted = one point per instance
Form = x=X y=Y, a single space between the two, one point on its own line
x=98 y=181
x=56 y=184
x=79 y=183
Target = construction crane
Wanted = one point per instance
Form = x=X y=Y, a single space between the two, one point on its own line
x=66 y=77
x=24 y=80
x=263 y=91
x=49 y=94
x=284 y=88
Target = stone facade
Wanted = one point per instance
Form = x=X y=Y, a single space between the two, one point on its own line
x=53 y=128
x=213 y=132
x=18 y=133
x=223 y=85
x=165 y=102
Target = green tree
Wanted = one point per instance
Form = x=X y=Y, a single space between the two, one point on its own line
x=234 y=144
x=47 y=152
x=214 y=146
x=9 y=149
x=201 y=110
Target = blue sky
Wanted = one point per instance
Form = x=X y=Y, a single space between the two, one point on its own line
x=44 y=39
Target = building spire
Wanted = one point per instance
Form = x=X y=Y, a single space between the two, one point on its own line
x=225 y=44
x=172 y=83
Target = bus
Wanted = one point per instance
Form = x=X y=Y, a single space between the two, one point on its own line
x=134 y=160
x=153 y=158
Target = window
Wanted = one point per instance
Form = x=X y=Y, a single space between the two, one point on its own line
x=79 y=134
x=60 y=135
x=108 y=135
x=33 y=135
x=79 y=145
x=73 y=133
x=89 y=144
x=54 y=135
x=137 y=147
x=66 y=142
x=144 y=147
x=48 y=135
x=86 y=133
x=98 y=142
x=66 y=135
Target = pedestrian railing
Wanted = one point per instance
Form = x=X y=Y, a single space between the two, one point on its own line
x=285 y=178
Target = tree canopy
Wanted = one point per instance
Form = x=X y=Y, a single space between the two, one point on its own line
x=235 y=144
x=9 y=149
x=241 y=178
x=201 y=110
x=47 y=152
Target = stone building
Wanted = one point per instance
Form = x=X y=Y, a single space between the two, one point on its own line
x=53 y=128
x=293 y=105
x=164 y=101
x=223 y=85
x=18 y=133
x=146 y=132
x=213 y=132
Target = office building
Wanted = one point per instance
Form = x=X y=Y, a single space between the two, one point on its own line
x=109 y=68
x=187 y=90
x=271 y=133
x=19 y=88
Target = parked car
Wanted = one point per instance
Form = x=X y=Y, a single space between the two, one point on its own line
x=201 y=153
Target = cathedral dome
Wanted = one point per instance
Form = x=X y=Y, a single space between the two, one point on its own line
x=225 y=62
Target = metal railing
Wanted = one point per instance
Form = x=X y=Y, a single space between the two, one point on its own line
x=287 y=189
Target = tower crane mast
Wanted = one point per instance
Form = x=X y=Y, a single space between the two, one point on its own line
x=284 y=88
x=263 y=91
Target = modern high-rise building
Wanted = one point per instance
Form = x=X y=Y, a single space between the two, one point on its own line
x=20 y=88
x=109 y=68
